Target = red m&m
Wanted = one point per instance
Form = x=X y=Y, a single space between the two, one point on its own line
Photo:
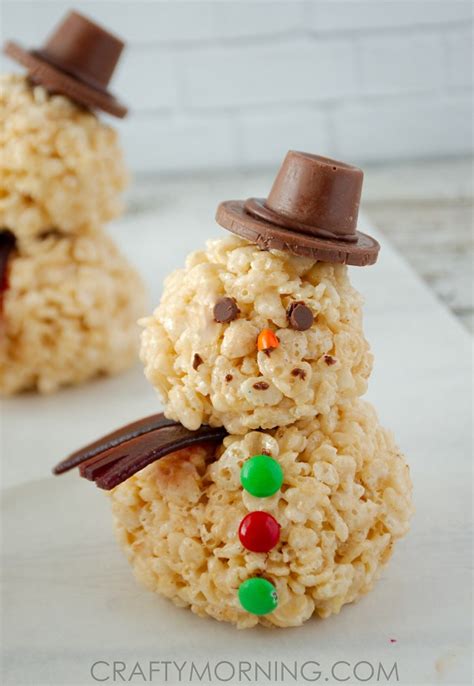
x=259 y=532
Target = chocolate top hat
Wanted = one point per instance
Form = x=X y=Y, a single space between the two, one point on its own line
x=78 y=60
x=312 y=210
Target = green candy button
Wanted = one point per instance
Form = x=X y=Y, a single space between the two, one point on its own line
x=261 y=476
x=258 y=596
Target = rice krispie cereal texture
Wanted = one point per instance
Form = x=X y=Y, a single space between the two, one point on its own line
x=60 y=166
x=345 y=500
x=69 y=312
x=304 y=376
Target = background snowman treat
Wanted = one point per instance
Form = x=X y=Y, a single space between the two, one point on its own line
x=270 y=492
x=69 y=298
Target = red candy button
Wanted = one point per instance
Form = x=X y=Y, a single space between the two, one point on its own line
x=259 y=532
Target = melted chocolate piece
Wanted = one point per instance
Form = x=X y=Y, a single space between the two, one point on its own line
x=125 y=433
x=7 y=245
x=311 y=210
x=225 y=310
x=300 y=316
x=122 y=453
x=120 y=463
x=78 y=60
x=197 y=361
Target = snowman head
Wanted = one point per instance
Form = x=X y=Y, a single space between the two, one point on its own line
x=61 y=168
x=251 y=339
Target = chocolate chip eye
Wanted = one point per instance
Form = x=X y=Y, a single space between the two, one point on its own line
x=225 y=310
x=299 y=316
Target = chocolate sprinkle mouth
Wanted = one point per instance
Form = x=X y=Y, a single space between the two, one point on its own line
x=124 y=452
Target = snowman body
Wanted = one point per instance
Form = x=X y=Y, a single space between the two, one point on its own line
x=188 y=522
x=70 y=299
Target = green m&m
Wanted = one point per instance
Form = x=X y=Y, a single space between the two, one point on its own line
x=261 y=476
x=258 y=596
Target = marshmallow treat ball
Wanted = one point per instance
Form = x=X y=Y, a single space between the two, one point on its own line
x=344 y=501
x=69 y=312
x=60 y=166
x=222 y=372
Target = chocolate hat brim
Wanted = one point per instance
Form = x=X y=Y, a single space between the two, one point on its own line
x=232 y=215
x=57 y=81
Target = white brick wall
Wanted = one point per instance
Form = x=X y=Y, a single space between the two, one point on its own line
x=287 y=71
x=266 y=136
x=416 y=127
x=235 y=83
x=460 y=57
x=179 y=143
x=356 y=15
x=411 y=63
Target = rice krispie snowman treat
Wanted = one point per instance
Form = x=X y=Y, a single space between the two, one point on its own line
x=268 y=492
x=69 y=299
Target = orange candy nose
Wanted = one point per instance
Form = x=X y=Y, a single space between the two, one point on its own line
x=267 y=340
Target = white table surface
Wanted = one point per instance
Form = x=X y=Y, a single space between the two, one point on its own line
x=69 y=597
